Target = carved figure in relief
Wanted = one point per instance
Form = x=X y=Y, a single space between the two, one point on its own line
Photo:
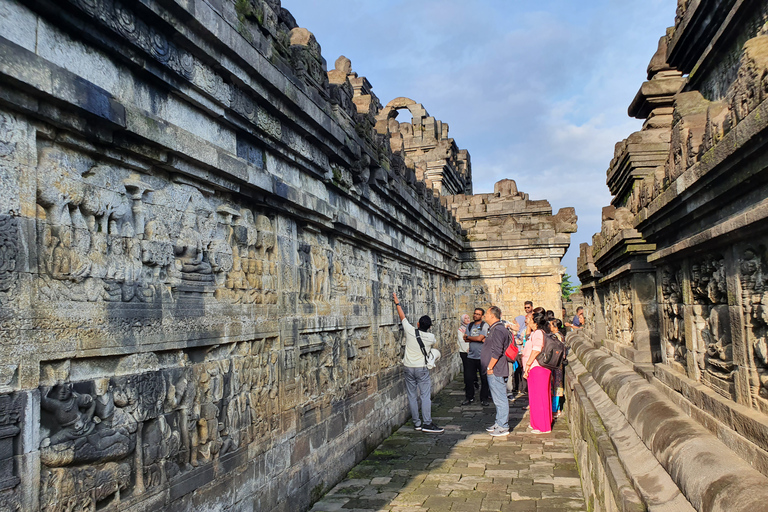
x=672 y=311
x=320 y=265
x=305 y=273
x=754 y=282
x=69 y=489
x=265 y=246
x=708 y=285
x=76 y=437
x=9 y=242
x=188 y=248
x=716 y=338
x=751 y=274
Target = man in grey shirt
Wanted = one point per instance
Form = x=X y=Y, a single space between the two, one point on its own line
x=495 y=363
x=475 y=336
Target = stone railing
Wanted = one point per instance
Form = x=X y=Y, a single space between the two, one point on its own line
x=675 y=282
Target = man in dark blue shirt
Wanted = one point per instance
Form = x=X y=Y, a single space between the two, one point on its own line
x=494 y=361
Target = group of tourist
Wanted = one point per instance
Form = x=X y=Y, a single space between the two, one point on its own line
x=483 y=341
x=511 y=379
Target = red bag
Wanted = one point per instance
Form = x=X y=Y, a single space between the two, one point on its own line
x=512 y=350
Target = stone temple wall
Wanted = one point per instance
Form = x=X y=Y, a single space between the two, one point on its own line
x=513 y=250
x=200 y=233
x=669 y=393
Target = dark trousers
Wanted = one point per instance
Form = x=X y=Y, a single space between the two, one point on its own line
x=469 y=377
x=470 y=374
x=521 y=385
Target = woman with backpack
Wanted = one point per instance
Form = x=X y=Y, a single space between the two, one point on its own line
x=558 y=375
x=539 y=391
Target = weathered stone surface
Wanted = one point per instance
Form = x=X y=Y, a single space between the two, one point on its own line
x=674 y=283
x=200 y=233
x=514 y=250
x=464 y=468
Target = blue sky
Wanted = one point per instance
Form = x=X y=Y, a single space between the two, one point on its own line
x=536 y=91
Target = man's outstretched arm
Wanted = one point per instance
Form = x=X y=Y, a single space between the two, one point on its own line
x=400 y=311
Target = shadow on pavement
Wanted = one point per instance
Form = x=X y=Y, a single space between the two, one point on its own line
x=464 y=468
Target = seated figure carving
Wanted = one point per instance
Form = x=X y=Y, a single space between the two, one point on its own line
x=189 y=251
x=76 y=435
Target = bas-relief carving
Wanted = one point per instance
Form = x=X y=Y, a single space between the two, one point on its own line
x=331 y=270
x=110 y=438
x=244 y=258
x=359 y=354
x=618 y=312
x=673 y=312
x=314 y=268
x=110 y=235
x=321 y=367
x=12 y=134
x=11 y=422
x=753 y=276
x=711 y=323
x=9 y=254
x=702 y=124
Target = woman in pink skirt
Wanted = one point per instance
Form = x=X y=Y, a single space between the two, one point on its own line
x=539 y=390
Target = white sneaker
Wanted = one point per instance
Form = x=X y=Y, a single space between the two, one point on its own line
x=500 y=432
x=491 y=428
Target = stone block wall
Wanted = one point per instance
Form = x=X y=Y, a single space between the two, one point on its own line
x=514 y=248
x=422 y=144
x=674 y=282
x=200 y=233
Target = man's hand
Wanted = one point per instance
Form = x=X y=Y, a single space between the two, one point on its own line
x=399 y=309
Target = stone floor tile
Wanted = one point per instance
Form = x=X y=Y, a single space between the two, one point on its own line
x=441 y=502
x=518 y=505
x=491 y=505
x=464 y=468
x=329 y=505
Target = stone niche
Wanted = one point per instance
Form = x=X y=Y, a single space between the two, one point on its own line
x=200 y=233
x=675 y=283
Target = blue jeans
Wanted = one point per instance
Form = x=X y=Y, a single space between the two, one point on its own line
x=499 y=396
x=419 y=378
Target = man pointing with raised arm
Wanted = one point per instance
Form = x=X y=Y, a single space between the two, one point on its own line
x=416 y=372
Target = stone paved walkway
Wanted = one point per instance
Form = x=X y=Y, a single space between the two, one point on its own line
x=464 y=468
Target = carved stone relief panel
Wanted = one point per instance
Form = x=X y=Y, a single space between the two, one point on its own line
x=13 y=149
x=673 y=312
x=711 y=322
x=589 y=313
x=618 y=311
x=390 y=346
x=137 y=422
x=12 y=408
x=321 y=369
x=360 y=354
x=108 y=234
x=753 y=277
x=314 y=267
x=9 y=254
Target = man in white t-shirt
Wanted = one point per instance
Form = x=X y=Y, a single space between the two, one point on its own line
x=418 y=383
